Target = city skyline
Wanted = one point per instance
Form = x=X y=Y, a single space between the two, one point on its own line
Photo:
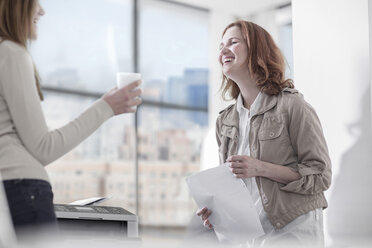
x=161 y=184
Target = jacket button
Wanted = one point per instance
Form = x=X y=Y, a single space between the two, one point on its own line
x=264 y=198
x=278 y=224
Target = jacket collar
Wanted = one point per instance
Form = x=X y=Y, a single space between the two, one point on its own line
x=232 y=117
x=267 y=102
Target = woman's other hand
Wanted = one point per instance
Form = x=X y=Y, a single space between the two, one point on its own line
x=246 y=167
x=124 y=100
x=204 y=214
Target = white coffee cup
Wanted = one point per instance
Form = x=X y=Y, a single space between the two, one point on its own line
x=125 y=78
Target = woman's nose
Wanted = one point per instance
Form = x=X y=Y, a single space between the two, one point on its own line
x=41 y=11
x=224 y=50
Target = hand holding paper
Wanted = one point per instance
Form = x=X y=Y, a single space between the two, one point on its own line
x=204 y=213
x=233 y=213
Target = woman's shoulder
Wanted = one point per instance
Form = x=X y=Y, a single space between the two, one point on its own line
x=228 y=114
x=10 y=50
x=11 y=47
x=294 y=101
x=291 y=96
x=226 y=111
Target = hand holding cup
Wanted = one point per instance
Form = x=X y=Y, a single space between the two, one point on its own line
x=125 y=97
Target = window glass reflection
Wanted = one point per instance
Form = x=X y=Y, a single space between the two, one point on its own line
x=80 y=46
x=174 y=53
x=102 y=165
x=168 y=151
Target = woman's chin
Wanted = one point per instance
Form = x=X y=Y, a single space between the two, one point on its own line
x=33 y=35
x=227 y=72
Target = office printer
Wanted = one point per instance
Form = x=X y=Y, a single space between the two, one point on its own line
x=96 y=222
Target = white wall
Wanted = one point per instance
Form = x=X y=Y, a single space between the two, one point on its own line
x=370 y=48
x=331 y=68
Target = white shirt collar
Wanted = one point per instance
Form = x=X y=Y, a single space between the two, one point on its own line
x=254 y=107
x=239 y=103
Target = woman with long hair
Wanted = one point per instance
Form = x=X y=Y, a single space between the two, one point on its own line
x=26 y=144
x=272 y=139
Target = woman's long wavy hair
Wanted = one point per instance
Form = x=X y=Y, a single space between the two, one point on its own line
x=265 y=61
x=16 y=18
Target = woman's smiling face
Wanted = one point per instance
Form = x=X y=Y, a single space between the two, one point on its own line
x=233 y=52
x=38 y=12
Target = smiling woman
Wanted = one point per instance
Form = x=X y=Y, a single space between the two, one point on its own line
x=278 y=149
x=26 y=143
x=265 y=61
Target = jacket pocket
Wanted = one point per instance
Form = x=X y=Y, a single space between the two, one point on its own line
x=272 y=128
x=229 y=132
x=274 y=141
x=271 y=133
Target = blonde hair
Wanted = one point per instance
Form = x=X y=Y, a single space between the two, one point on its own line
x=265 y=61
x=16 y=18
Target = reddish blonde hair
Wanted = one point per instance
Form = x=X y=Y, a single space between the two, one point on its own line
x=265 y=61
x=16 y=25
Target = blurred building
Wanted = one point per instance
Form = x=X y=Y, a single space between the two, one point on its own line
x=165 y=160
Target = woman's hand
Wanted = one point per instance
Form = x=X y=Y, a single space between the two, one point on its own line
x=124 y=100
x=204 y=214
x=244 y=166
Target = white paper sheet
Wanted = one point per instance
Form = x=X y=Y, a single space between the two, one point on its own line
x=90 y=201
x=234 y=216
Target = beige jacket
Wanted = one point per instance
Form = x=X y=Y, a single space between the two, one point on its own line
x=285 y=131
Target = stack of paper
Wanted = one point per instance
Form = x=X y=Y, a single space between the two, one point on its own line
x=234 y=217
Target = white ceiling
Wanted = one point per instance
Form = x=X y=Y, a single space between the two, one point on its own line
x=238 y=8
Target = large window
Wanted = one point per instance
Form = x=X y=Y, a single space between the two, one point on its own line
x=174 y=63
x=173 y=52
x=140 y=160
x=285 y=36
x=82 y=44
x=286 y=45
